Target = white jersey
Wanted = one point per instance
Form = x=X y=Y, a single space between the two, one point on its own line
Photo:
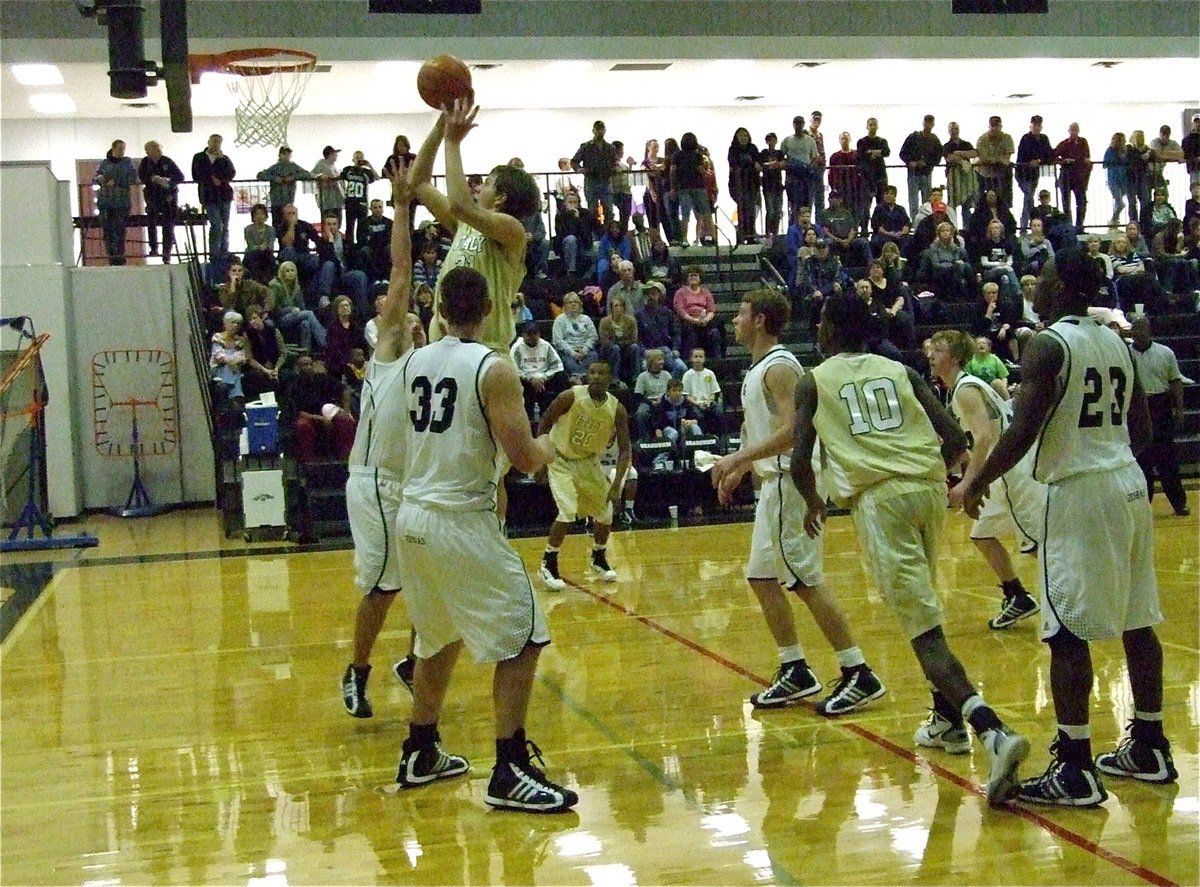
x=991 y=397
x=452 y=459
x=382 y=420
x=1086 y=430
x=760 y=420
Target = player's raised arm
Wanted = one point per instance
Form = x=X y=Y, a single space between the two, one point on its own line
x=395 y=334
x=420 y=176
x=504 y=406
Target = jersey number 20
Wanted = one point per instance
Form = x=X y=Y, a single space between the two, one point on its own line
x=427 y=417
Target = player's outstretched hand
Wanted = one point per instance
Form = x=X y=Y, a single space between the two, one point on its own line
x=968 y=497
x=459 y=118
x=726 y=475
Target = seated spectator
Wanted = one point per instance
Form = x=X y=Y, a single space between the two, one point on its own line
x=541 y=370
x=614 y=248
x=987 y=366
x=371 y=330
x=1107 y=296
x=537 y=247
x=925 y=231
x=841 y=230
x=288 y=310
x=265 y=354
x=1132 y=283
x=1191 y=209
x=574 y=335
x=374 y=244
x=343 y=334
x=239 y=292
x=628 y=288
x=317 y=406
x=1059 y=230
x=889 y=222
x=798 y=242
x=703 y=391
x=999 y=319
x=673 y=418
x=423 y=306
x=521 y=313
x=1133 y=234
x=354 y=373
x=820 y=276
x=996 y=255
x=697 y=313
x=297 y=241
x=260 y=246
x=427 y=268
x=619 y=341
x=658 y=328
x=650 y=386
x=877 y=341
x=573 y=231
x=1177 y=273
x=227 y=358
x=988 y=209
x=661 y=265
x=889 y=301
x=335 y=272
x=944 y=267
x=1035 y=249
x=1161 y=212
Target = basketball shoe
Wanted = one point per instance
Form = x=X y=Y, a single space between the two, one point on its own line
x=354 y=692
x=600 y=566
x=1007 y=749
x=548 y=572
x=421 y=765
x=403 y=670
x=793 y=681
x=519 y=785
x=940 y=732
x=857 y=687
x=1064 y=784
x=1139 y=759
x=1013 y=609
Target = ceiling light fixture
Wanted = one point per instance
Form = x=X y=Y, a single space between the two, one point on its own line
x=52 y=103
x=37 y=75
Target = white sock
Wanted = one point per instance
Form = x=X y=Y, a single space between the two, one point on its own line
x=1076 y=731
x=1147 y=715
x=850 y=657
x=791 y=654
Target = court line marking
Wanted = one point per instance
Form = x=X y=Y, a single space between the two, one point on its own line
x=1043 y=822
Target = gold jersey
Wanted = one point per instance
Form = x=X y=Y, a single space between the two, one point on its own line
x=474 y=249
x=586 y=429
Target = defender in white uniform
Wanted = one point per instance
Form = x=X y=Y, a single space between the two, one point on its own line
x=374 y=487
x=781 y=554
x=1082 y=410
x=1017 y=501
x=464 y=585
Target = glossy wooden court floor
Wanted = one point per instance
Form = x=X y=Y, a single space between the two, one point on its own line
x=171 y=715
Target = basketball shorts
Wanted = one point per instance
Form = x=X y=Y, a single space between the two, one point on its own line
x=1097 y=556
x=779 y=547
x=372 y=498
x=463 y=581
x=899 y=523
x=580 y=489
x=611 y=474
x=1015 y=506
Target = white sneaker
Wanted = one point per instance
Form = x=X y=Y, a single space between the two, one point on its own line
x=601 y=568
x=937 y=732
x=1007 y=750
x=552 y=580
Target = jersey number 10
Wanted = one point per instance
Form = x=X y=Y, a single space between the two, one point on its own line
x=882 y=411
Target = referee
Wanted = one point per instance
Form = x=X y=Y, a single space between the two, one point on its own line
x=1159 y=372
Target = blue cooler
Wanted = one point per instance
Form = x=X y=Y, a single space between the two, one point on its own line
x=262 y=428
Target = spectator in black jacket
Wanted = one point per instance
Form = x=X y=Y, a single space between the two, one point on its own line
x=659 y=328
x=160 y=177
x=1033 y=152
x=297 y=241
x=213 y=171
x=573 y=232
x=374 y=252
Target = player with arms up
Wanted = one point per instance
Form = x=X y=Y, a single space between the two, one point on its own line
x=780 y=552
x=464 y=584
x=879 y=426
x=1082 y=405
x=581 y=422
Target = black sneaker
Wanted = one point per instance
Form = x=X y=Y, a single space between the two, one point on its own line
x=792 y=682
x=1013 y=610
x=421 y=766
x=1137 y=759
x=354 y=692
x=548 y=573
x=519 y=785
x=857 y=687
x=403 y=670
x=1064 y=785
x=601 y=568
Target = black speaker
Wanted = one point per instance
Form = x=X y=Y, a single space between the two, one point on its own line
x=175 y=63
x=126 y=49
x=1000 y=7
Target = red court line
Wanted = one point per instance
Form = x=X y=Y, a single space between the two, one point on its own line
x=1086 y=844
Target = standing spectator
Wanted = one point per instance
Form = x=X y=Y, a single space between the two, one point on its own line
x=921 y=153
x=818 y=168
x=687 y=182
x=697 y=313
x=1116 y=169
x=1191 y=150
x=1166 y=150
x=334 y=253
x=573 y=232
x=574 y=336
x=212 y=172
x=1033 y=153
x=1139 y=155
x=401 y=151
x=282 y=176
x=540 y=369
x=844 y=178
x=260 y=245
x=374 y=243
x=961 y=182
x=622 y=193
x=355 y=179
x=994 y=150
x=330 y=196
x=652 y=197
x=744 y=182
x=771 y=161
x=872 y=150
x=288 y=310
x=597 y=160
x=1158 y=371
x=115 y=175
x=800 y=153
x=1075 y=170
x=160 y=177
x=889 y=222
x=619 y=346
x=658 y=328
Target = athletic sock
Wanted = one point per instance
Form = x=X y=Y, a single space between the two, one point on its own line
x=943 y=707
x=980 y=716
x=794 y=653
x=1013 y=588
x=851 y=657
x=1147 y=727
x=1074 y=744
x=421 y=736
x=511 y=748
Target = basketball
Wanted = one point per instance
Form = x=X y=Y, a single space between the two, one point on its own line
x=442 y=79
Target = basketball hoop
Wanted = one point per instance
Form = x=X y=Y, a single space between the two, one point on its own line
x=268 y=84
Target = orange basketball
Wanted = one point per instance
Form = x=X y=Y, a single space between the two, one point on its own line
x=442 y=79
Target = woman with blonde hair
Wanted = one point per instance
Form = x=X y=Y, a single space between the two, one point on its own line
x=288 y=310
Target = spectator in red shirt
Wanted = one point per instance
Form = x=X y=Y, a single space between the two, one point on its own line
x=697 y=313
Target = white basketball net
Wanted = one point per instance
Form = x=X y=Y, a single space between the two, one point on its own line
x=265 y=101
